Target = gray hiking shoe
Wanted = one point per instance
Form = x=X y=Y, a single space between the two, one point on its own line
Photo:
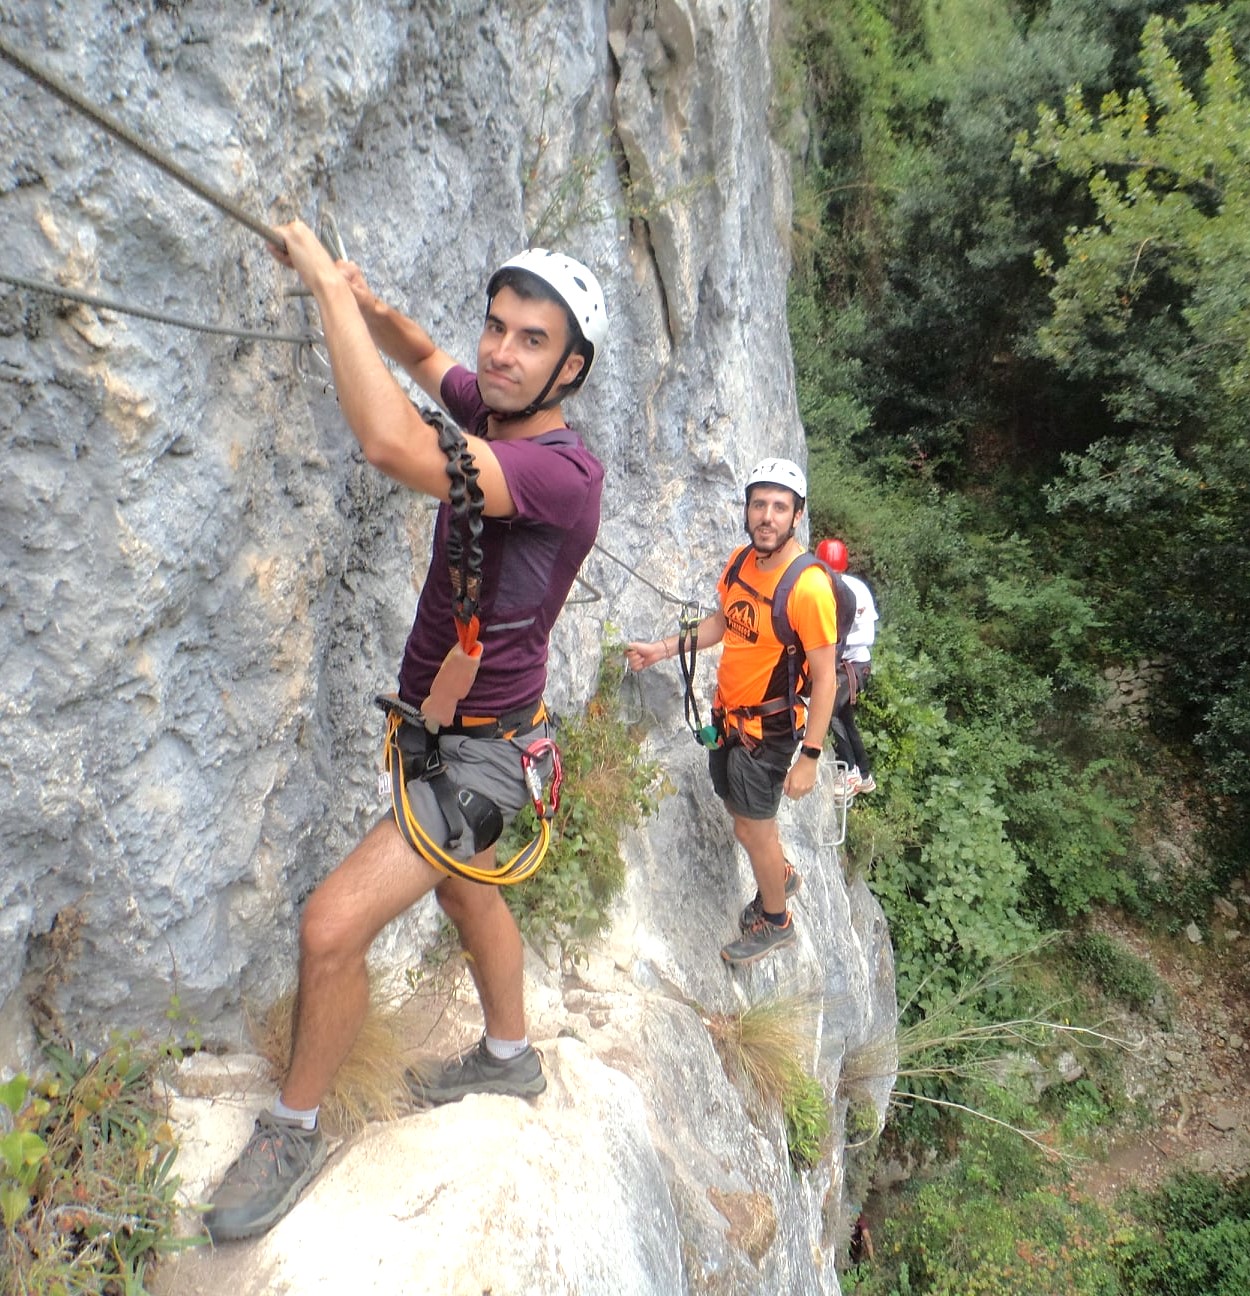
x=759 y=940
x=794 y=882
x=477 y=1070
x=265 y=1179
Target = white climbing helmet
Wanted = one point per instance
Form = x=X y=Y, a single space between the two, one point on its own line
x=576 y=287
x=778 y=472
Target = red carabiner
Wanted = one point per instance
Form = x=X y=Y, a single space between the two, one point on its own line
x=529 y=761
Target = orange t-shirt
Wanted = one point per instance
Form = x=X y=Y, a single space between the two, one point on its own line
x=753 y=661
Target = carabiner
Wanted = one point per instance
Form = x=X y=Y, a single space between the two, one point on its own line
x=529 y=761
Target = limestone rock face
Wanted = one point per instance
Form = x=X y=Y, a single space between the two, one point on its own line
x=202 y=583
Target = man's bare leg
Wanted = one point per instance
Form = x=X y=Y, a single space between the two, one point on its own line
x=377 y=882
x=762 y=843
x=492 y=942
x=503 y=1062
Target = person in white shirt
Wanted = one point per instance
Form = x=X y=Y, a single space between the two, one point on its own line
x=853 y=671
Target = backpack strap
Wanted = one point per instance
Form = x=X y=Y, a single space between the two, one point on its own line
x=796 y=658
x=733 y=573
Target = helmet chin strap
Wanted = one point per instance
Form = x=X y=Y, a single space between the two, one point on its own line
x=540 y=402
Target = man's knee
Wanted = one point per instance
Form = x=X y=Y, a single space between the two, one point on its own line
x=465 y=902
x=326 y=930
x=753 y=834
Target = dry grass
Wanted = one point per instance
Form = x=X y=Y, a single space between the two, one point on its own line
x=953 y=1041
x=370 y=1083
x=766 y=1042
x=876 y=1059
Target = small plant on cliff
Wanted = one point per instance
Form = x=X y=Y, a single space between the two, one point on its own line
x=763 y=1044
x=1117 y=971
x=608 y=787
x=805 y=1110
x=88 y=1198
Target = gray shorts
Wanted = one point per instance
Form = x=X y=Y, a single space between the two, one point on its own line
x=750 y=783
x=489 y=766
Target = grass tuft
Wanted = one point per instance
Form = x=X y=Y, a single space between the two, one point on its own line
x=764 y=1045
x=370 y=1083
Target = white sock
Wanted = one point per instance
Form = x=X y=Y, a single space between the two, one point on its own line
x=307 y=1118
x=506 y=1050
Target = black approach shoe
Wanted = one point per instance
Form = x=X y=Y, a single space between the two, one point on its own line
x=477 y=1070
x=760 y=939
x=794 y=883
x=265 y=1179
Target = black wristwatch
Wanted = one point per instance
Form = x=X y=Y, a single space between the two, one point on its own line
x=812 y=753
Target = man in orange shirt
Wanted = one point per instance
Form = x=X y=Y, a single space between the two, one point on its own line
x=759 y=718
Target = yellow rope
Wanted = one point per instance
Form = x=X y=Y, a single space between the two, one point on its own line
x=524 y=864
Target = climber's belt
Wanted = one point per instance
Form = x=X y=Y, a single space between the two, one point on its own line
x=521 y=720
x=732 y=722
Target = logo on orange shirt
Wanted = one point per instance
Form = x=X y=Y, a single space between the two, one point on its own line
x=740 y=620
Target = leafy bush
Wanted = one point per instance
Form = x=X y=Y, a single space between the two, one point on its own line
x=998 y=1222
x=1002 y=1220
x=87 y=1190
x=607 y=788
x=1072 y=830
x=1116 y=970
x=1199 y=1242
x=1004 y=805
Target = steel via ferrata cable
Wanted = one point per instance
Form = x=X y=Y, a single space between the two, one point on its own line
x=123 y=308
x=67 y=94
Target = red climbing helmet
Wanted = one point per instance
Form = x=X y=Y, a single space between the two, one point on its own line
x=834 y=553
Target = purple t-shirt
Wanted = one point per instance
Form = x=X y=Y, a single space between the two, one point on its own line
x=529 y=562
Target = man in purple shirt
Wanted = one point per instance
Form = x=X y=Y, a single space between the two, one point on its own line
x=540 y=495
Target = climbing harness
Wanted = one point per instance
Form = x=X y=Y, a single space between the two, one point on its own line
x=412 y=752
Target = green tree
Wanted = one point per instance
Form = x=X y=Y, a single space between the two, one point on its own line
x=1151 y=297
x=1151 y=301
x=917 y=230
